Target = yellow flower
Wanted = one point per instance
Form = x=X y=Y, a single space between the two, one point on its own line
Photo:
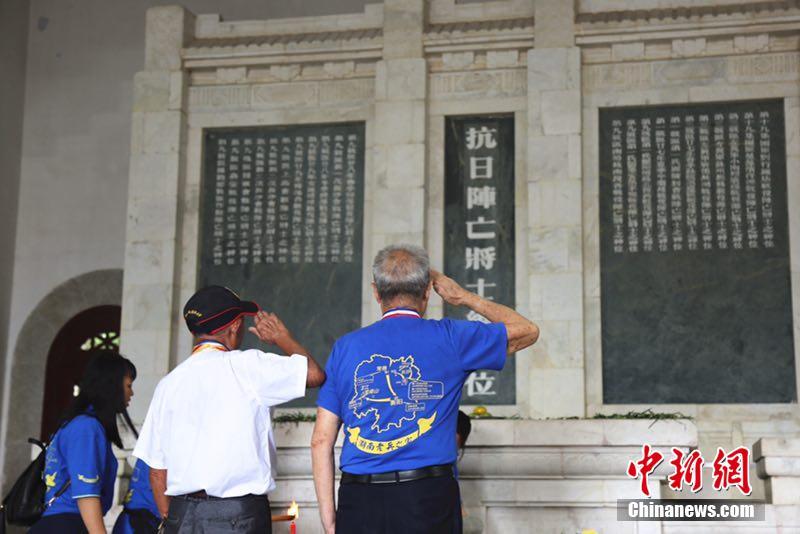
x=480 y=411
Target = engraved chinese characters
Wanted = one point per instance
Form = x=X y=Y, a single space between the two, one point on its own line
x=479 y=230
x=638 y=146
x=284 y=198
x=695 y=295
x=281 y=220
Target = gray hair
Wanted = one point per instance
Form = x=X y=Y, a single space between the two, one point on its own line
x=401 y=270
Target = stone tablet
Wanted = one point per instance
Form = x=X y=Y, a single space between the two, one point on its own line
x=696 y=299
x=479 y=230
x=282 y=224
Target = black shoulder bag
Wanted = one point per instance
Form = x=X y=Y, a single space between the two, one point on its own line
x=24 y=504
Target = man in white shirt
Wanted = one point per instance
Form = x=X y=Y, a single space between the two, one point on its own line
x=207 y=436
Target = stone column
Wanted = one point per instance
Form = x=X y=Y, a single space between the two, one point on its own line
x=156 y=177
x=778 y=463
x=554 y=218
x=398 y=191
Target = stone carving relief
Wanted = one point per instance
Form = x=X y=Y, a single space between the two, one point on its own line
x=496 y=83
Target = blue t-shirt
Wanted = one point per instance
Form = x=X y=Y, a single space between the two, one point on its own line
x=140 y=494
x=79 y=452
x=139 y=497
x=396 y=385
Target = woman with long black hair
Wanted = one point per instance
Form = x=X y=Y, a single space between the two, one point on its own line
x=80 y=467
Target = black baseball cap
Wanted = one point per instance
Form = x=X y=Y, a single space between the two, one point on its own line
x=213 y=308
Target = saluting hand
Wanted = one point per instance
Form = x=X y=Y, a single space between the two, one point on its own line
x=448 y=289
x=269 y=328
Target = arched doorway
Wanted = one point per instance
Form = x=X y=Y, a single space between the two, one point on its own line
x=22 y=414
x=75 y=344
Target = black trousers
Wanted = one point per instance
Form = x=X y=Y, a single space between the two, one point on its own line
x=141 y=521
x=240 y=515
x=59 y=524
x=426 y=506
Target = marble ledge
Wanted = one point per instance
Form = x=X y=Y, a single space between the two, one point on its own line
x=545 y=433
x=211 y=26
x=776 y=447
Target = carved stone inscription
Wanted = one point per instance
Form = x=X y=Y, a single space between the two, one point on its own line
x=696 y=300
x=479 y=225
x=281 y=220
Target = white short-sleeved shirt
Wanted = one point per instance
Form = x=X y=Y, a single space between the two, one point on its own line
x=209 y=421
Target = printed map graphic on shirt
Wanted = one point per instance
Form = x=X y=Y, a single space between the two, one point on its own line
x=390 y=391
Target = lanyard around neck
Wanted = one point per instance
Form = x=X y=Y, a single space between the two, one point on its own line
x=401 y=312
x=209 y=345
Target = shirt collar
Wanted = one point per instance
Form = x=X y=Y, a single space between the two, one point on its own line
x=401 y=312
x=209 y=344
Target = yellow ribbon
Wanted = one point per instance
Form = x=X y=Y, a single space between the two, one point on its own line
x=383 y=447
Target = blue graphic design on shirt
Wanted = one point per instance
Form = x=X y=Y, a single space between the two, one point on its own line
x=390 y=389
x=80 y=454
x=396 y=385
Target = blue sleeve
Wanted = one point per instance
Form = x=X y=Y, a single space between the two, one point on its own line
x=478 y=345
x=328 y=397
x=86 y=449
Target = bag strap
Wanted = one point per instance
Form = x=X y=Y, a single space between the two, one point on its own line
x=34 y=441
x=58 y=494
x=63 y=488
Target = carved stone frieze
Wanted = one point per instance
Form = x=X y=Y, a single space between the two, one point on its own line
x=346 y=91
x=603 y=13
x=697 y=47
x=689 y=72
x=617 y=76
x=219 y=97
x=486 y=83
x=281 y=95
x=281 y=50
x=479 y=36
x=764 y=67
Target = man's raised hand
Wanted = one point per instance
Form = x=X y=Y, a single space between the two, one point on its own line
x=448 y=289
x=269 y=328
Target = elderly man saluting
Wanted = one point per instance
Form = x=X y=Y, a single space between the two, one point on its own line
x=396 y=385
x=207 y=436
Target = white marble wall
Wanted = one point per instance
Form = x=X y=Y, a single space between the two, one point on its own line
x=555 y=215
x=639 y=82
x=398 y=155
x=13 y=53
x=66 y=85
x=158 y=150
x=403 y=82
x=401 y=68
x=561 y=476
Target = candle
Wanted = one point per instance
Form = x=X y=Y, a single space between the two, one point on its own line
x=293 y=511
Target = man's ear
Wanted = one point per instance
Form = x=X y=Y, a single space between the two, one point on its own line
x=428 y=290
x=237 y=325
x=375 y=293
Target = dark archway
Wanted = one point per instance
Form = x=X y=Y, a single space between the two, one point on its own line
x=22 y=415
x=75 y=344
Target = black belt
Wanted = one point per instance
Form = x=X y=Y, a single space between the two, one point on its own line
x=202 y=495
x=393 y=477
